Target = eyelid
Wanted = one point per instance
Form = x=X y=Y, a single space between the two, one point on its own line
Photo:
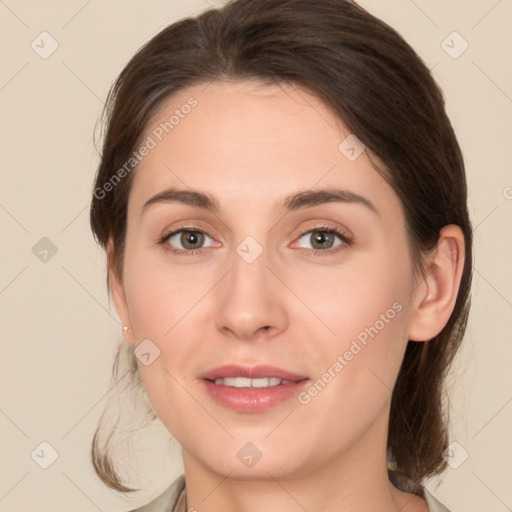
x=194 y=229
x=344 y=235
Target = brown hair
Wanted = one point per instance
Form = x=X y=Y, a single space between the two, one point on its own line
x=385 y=95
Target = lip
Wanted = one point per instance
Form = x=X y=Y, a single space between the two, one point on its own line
x=252 y=400
x=251 y=372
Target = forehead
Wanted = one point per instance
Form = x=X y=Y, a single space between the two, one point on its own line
x=247 y=142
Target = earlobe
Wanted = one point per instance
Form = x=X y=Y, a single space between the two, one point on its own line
x=118 y=295
x=435 y=298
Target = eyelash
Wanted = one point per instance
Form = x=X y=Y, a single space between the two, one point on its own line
x=346 y=241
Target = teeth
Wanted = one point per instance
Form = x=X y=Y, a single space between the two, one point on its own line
x=244 y=382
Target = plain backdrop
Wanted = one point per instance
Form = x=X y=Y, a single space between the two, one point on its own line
x=57 y=327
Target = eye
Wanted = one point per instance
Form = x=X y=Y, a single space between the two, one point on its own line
x=185 y=240
x=323 y=240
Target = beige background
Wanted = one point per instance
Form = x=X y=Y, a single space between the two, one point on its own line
x=57 y=327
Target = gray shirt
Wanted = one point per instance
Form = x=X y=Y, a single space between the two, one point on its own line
x=174 y=498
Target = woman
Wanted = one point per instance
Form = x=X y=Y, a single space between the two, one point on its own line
x=282 y=201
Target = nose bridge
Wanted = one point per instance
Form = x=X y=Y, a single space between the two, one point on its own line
x=250 y=299
x=249 y=266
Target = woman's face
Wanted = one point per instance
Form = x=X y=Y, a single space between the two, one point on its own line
x=246 y=288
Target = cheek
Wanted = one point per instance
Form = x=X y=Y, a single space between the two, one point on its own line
x=365 y=307
x=363 y=295
x=159 y=294
x=358 y=365
x=164 y=304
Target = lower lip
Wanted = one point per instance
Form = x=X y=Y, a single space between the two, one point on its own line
x=253 y=399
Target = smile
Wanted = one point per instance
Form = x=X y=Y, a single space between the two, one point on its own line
x=244 y=382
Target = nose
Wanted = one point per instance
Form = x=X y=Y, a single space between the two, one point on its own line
x=251 y=300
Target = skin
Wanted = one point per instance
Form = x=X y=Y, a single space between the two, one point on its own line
x=250 y=145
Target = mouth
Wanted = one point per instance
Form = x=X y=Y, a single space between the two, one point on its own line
x=254 y=373
x=252 y=389
x=244 y=382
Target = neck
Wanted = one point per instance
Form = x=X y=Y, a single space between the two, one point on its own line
x=353 y=481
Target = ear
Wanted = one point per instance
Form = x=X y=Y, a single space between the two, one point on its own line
x=117 y=290
x=435 y=297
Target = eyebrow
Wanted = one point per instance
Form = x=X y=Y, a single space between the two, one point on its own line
x=298 y=200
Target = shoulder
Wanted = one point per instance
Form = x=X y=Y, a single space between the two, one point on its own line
x=433 y=504
x=171 y=500
x=168 y=500
x=404 y=483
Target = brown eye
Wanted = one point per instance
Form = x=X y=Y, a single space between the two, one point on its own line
x=191 y=239
x=324 y=240
x=185 y=240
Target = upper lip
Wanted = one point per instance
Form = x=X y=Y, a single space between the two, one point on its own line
x=251 y=372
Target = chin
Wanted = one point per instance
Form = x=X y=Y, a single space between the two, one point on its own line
x=246 y=461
